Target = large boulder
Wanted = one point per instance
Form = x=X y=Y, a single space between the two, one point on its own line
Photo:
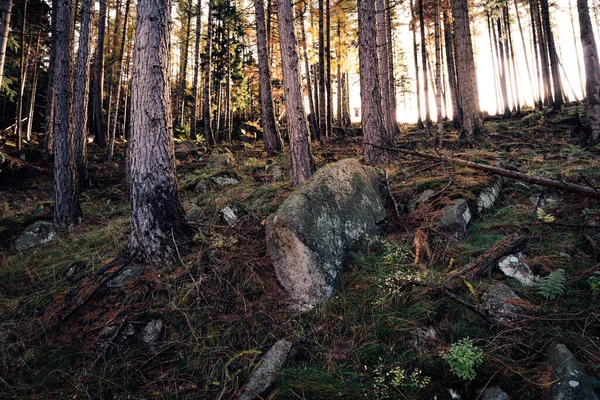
x=312 y=231
x=570 y=382
x=39 y=232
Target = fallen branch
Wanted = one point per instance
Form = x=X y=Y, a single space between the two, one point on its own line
x=567 y=187
x=485 y=263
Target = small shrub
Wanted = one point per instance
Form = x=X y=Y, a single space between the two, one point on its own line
x=463 y=358
x=594 y=282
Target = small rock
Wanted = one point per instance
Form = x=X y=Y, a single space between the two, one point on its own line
x=39 y=232
x=194 y=214
x=125 y=276
x=488 y=196
x=229 y=214
x=425 y=340
x=456 y=218
x=422 y=198
x=513 y=266
x=545 y=200
x=498 y=298
x=570 y=380
x=224 y=181
x=221 y=161
x=202 y=186
x=275 y=172
x=266 y=373
x=109 y=339
x=74 y=269
x=150 y=334
x=493 y=393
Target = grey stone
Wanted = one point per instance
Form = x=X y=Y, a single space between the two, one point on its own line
x=114 y=336
x=422 y=198
x=488 y=196
x=202 y=186
x=545 y=200
x=221 y=160
x=275 y=172
x=493 y=393
x=125 y=276
x=311 y=233
x=264 y=377
x=150 y=334
x=229 y=214
x=426 y=340
x=498 y=298
x=570 y=380
x=39 y=232
x=184 y=148
x=513 y=266
x=456 y=218
x=224 y=180
x=194 y=214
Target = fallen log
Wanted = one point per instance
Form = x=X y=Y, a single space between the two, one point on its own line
x=567 y=187
x=485 y=263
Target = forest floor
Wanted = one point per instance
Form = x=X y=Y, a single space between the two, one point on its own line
x=222 y=307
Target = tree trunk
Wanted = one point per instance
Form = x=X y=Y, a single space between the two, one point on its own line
x=503 y=67
x=529 y=76
x=438 y=76
x=511 y=53
x=114 y=120
x=82 y=92
x=30 y=108
x=392 y=79
x=424 y=64
x=451 y=66
x=554 y=61
x=49 y=114
x=472 y=123
x=314 y=128
x=579 y=70
x=346 y=105
x=321 y=67
x=22 y=79
x=328 y=69
x=340 y=85
x=416 y=59
x=543 y=53
x=183 y=67
x=158 y=227
x=194 y=122
x=208 y=132
x=272 y=140
x=4 y=29
x=66 y=206
x=383 y=68
x=592 y=66
x=100 y=137
x=374 y=132
x=302 y=164
x=495 y=57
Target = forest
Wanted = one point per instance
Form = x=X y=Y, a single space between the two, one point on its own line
x=234 y=199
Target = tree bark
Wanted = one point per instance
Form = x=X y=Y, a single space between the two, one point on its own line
x=30 y=108
x=119 y=77
x=391 y=74
x=529 y=76
x=374 y=131
x=208 y=132
x=501 y=38
x=314 y=128
x=195 y=89
x=416 y=60
x=302 y=164
x=543 y=54
x=592 y=68
x=4 y=29
x=66 y=206
x=451 y=66
x=158 y=227
x=424 y=64
x=272 y=140
x=328 y=68
x=183 y=67
x=82 y=93
x=100 y=131
x=49 y=114
x=321 y=67
x=553 y=54
x=22 y=79
x=438 y=76
x=383 y=68
x=472 y=123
